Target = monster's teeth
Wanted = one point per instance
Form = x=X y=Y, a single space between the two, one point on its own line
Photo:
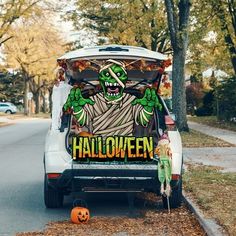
x=107 y=84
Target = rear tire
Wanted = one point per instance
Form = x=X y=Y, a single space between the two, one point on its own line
x=52 y=197
x=176 y=197
x=8 y=112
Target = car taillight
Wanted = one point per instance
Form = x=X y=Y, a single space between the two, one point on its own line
x=175 y=177
x=169 y=122
x=53 y=175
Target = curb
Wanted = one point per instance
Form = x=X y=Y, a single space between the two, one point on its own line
x=209 y=225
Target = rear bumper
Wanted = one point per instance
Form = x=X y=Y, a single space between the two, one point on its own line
x=87 y=177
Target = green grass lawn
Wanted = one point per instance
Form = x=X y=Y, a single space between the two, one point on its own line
x=214 y=192
x=197 y=139
x=212 y=121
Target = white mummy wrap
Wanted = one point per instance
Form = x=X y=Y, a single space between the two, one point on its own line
x=112 y=118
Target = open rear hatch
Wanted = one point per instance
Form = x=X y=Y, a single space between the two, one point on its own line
x=144 y=70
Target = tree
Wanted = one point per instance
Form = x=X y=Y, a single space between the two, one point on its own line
x=194 y=95
x=34 y=52
x=225 y=93
x=11 y=10
x=212 y=35
x=11 y=87
x=178 y=22
x=124 y=22
x=225 y=10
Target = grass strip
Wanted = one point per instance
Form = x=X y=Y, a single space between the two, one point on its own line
x=196 y=139
x=214 y=192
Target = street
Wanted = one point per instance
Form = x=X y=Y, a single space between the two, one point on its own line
x=21 y=182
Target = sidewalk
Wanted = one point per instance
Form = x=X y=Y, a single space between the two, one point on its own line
x=5 y=120
x=226 y=135
x=224 y=157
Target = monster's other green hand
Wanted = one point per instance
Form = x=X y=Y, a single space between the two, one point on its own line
x=148 y=102
x=76 y=101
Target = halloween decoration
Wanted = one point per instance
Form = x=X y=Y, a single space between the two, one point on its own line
x=164 y=166
x=60 y=93
x=139 y=64
x=112 y=111
x=79 y=214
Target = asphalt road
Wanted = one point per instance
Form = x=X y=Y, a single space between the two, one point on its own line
x=21 y=182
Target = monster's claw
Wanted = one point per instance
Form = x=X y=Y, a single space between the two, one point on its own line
x=67 y=105
x=148 y=94
x=136 y=101
x=89 y=101
x=154 y=96
x=72 y=94
x=78 y=94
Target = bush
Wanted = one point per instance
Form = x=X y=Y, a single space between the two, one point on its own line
x=226 y=96
x=203 y=111
x=194 y=95
x=207 y=108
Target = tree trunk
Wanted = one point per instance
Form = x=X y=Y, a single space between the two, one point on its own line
x=26 y=91
x=178 y=90
x=227 y=36
x=178 y=27
x=37 y=102
x=232 y=50
x=44 y=103
x=50 y=100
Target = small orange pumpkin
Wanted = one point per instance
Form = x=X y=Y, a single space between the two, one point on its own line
x=79 y=215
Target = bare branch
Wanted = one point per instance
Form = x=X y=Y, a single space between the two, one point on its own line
x=3 y=41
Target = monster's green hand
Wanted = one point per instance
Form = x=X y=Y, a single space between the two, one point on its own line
x=76 y=101
x=148 y=102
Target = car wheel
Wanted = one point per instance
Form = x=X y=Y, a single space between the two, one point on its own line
x=52 y=197
x=8 y=112
x=176 y=197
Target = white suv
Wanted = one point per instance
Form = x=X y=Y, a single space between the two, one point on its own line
x=67 y=170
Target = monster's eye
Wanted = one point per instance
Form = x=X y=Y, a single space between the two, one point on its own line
x=107 y=74
x=118 y=74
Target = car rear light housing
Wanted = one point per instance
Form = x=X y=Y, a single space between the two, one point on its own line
x=53 y=175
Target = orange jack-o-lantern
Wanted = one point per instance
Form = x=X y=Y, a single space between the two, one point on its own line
x=79 y=215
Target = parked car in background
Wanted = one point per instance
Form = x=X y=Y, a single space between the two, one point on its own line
x=8 y=108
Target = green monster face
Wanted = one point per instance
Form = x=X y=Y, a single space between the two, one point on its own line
x=113 y=80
